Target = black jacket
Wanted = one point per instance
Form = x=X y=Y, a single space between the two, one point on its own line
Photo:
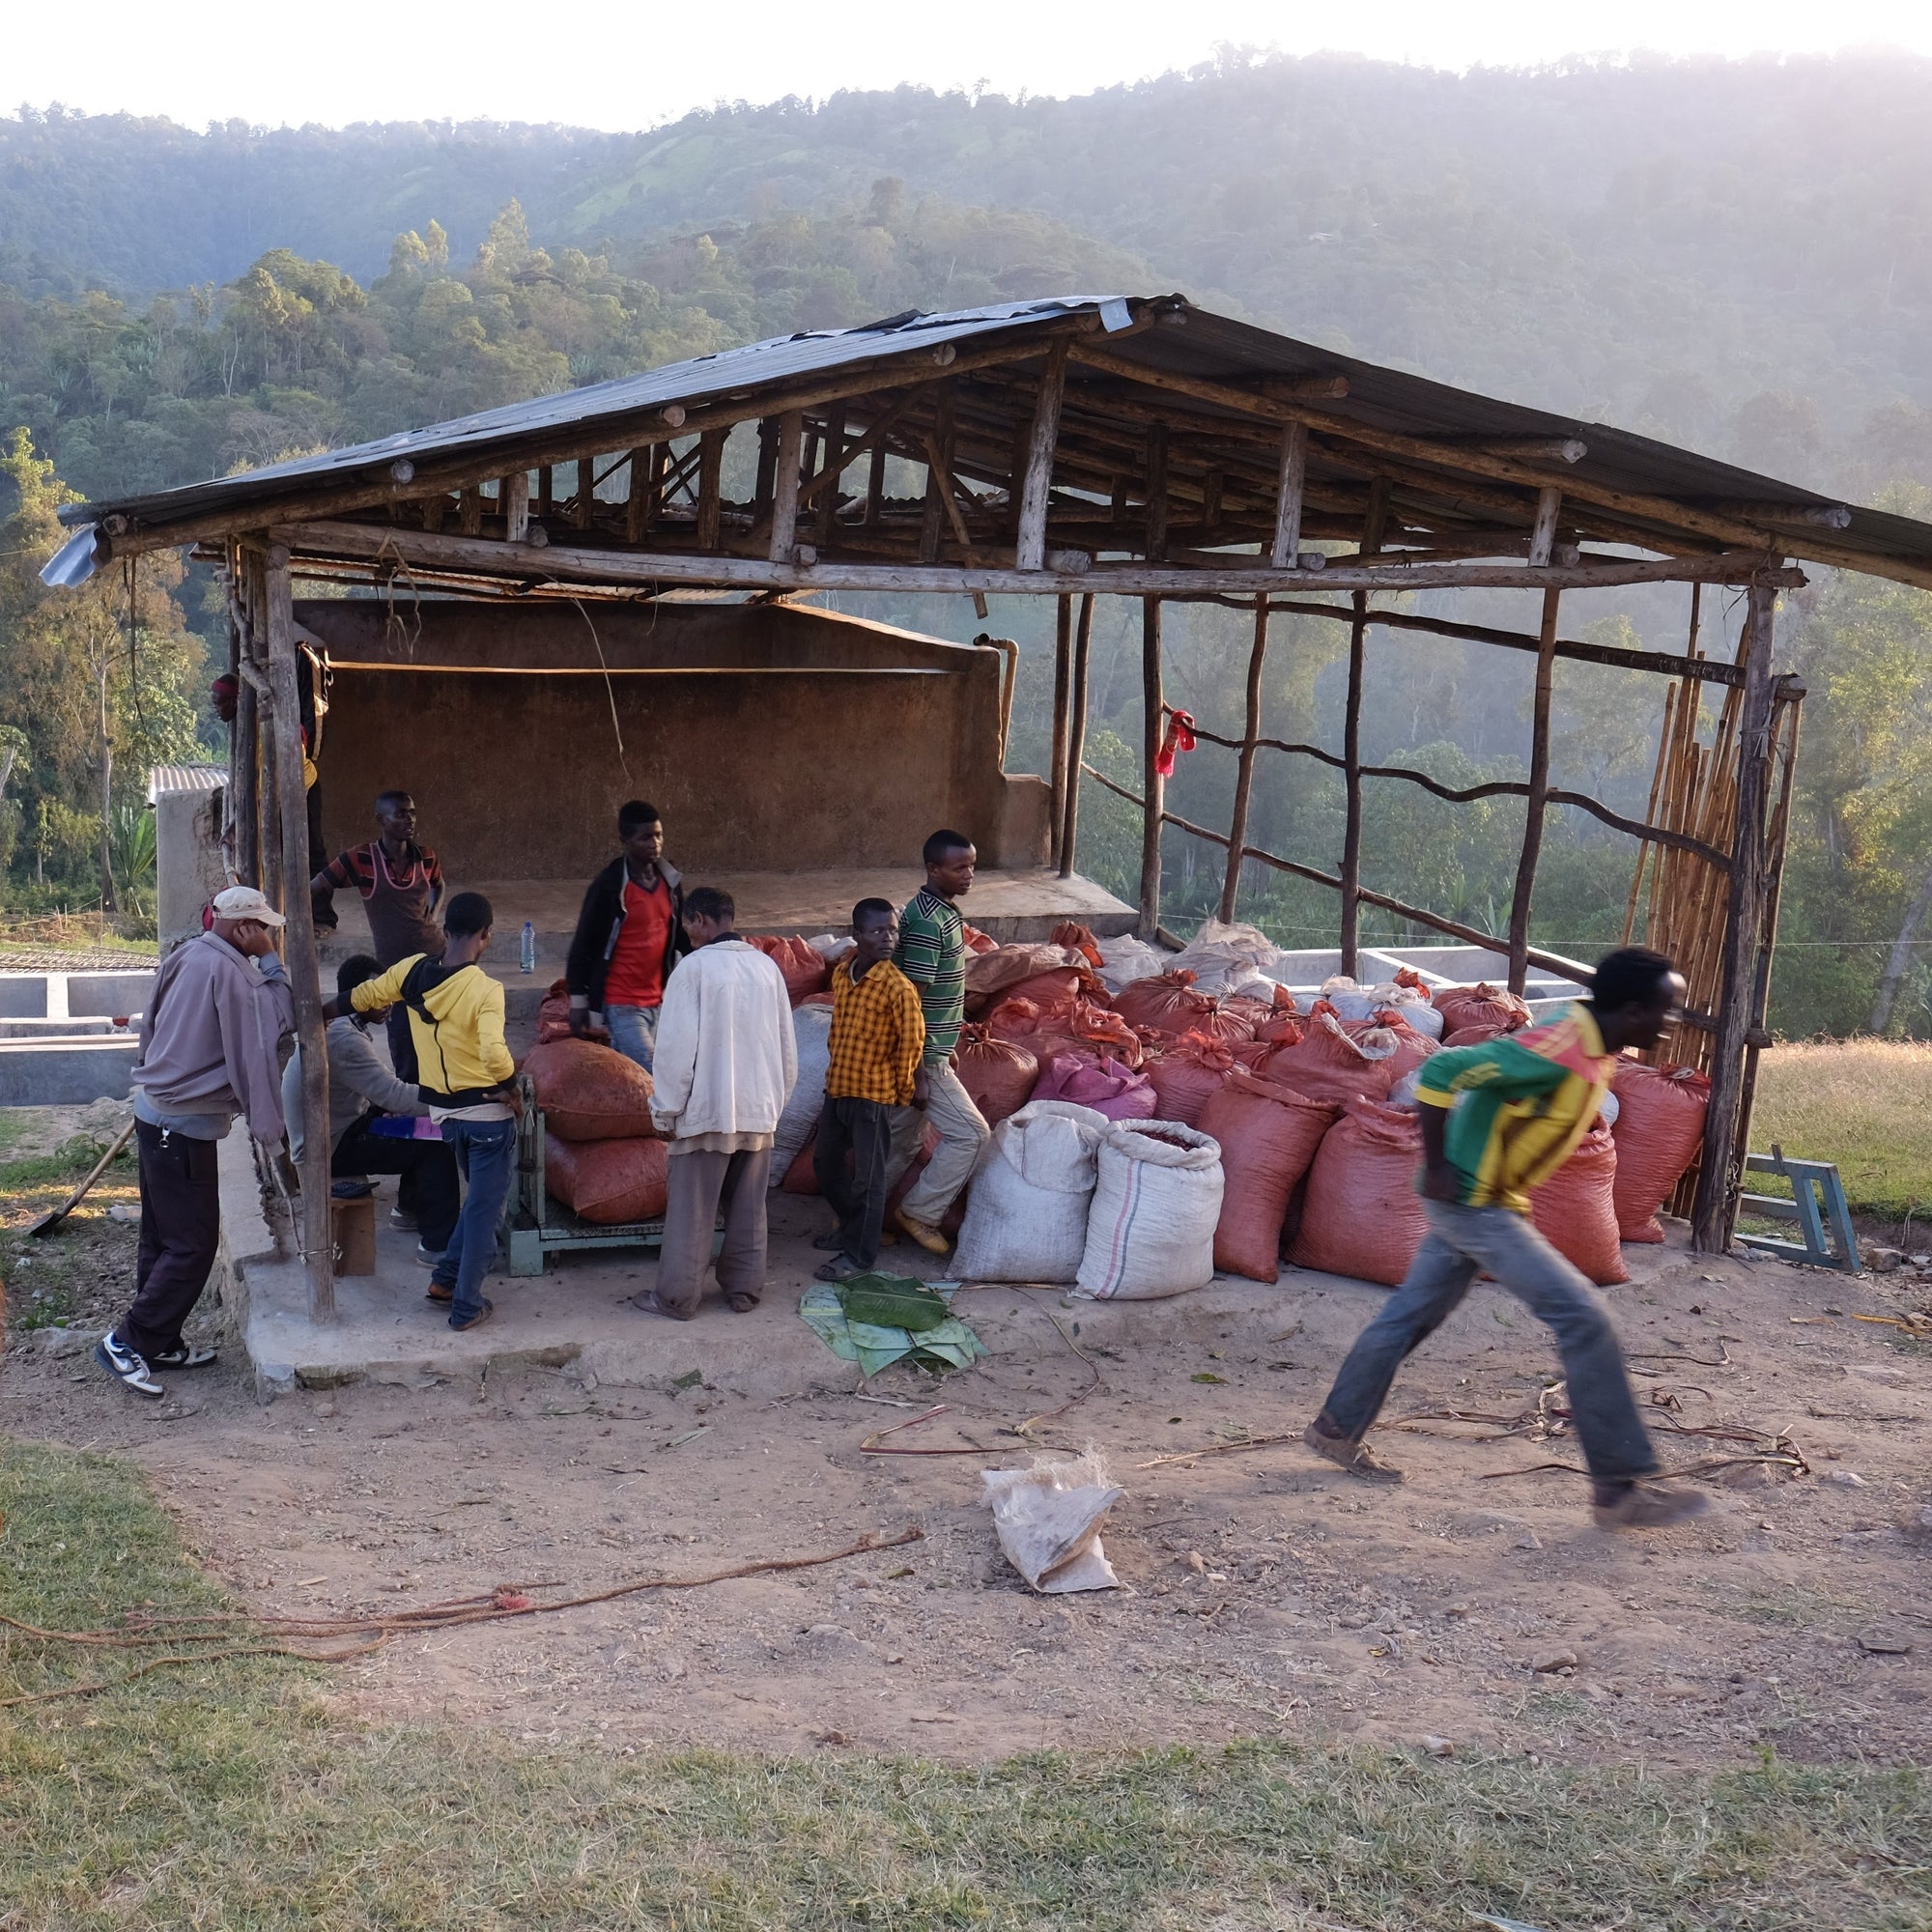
x=599 y=923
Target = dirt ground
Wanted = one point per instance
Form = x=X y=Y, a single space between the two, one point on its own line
x=1263 y=1592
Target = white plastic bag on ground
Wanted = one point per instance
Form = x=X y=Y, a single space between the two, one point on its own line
x=1026 y=1213
x=1607 y=1110
x=1349 y=1000
x=1223 y=957
x=1048 y=1522
x=1156 y=1198
x=832 y=947
x=812 y=1031
x=1123 y=959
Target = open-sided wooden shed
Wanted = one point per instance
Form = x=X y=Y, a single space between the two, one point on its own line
x=1132 y=447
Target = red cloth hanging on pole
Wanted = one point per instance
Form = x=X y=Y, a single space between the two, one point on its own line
x=1180 y=737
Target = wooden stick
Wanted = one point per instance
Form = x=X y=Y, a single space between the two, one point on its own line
x=1724 y=1129
x=1154 y=730
x=1076 y=736
x=1286 y=549
x=710 y=506
x=1543 y=537
x=586 y=490
x=1539 y=798
x=785 y=490
x=1030 y=538
x=1244 y=775
x=1157 y=497
x=299 y=960
x=1351 y=737
x=1063 y=677
x=515 y=492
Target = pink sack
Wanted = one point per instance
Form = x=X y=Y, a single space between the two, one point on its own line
x=1108 y=1087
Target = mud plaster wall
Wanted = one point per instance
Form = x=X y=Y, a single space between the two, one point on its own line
x=771 y=739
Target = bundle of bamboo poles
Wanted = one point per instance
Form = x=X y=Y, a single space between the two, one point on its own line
x=1680 y=898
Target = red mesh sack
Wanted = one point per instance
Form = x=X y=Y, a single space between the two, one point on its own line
x=1003 y=972
x=1362 y=1215
x=1013 y=1019
x=1576 y=1210
x=1246 y=1006
x=1095 y=1034
x=1057 y=990
x=1468 y=1035
x=609 y=1181
x=1167 y=1003
x=1228 y=1023
x=998 y=1073
x=1281 y=1028
x=589 y=1093
x=1328 y=1065
x=801 y=1177
x=1268 y=1135
x=1480 y=1005
x=1187 y=1075
x=1659 y=1128
x=554 y=1015
x=1107 y=1086
x=807 y=971
x=976 y=940
x=1070 y=932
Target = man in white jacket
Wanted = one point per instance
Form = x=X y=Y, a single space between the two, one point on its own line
x=725 y=1064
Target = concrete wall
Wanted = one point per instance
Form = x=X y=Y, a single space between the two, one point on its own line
x=771 y=738
x=187 y=861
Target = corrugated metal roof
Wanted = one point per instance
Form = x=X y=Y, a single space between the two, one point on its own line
x=165 y=781
x=1203 y=345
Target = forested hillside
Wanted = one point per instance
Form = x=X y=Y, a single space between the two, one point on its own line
x=1734 y=256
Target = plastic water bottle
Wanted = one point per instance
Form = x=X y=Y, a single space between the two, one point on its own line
x=529 y=950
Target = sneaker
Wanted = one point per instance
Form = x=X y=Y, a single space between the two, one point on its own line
x=403 y=1220
x=476 y=1320
x=126 y=1368
x=182 y=1356
x=1357 y=1458
x=929 y=1239
x=1646 y=1506
x=427 y=1256
x=350 y=1188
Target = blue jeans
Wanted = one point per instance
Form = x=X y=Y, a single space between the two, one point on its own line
x=634 y=1032
x=486 y=1153
x=1462 y=1241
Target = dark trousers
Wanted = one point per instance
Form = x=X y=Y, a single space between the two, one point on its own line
x=1461 y=1243
x=402 y=1044
x=180 y=1227
x=864 y=1130
x=429 y=1190
x=700 y=1184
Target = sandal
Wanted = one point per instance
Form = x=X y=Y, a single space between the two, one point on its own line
x=1357 y=1458
x=741 y=1303
x=840 y=1267
x=647 y=1304
x=475 y=1321
x=439 y=1291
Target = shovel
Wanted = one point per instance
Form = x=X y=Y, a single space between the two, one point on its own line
x=52 y=1219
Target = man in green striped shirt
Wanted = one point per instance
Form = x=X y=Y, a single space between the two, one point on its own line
x=932 y=954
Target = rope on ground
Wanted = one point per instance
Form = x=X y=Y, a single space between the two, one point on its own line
x=213 y=1627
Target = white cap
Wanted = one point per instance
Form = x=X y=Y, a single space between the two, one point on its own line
x=246 y=903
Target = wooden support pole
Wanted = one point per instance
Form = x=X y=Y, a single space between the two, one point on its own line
x=827 y=479
x=587 y=490
x=1287 y=545
x=515 y=491
x=1542 y=535
x=875 y=485
x=1062 y=677
x=785 y=486
x=1154 y=787
x=245 y=810
x=1538 y=804
x=1076 y=735
x=637 y=503
x=710 y=504
x=1726 y=1127
x=545 y=492
x=299 y=952
x=1351 y=737
x=937 y=488
x=470 y=511
x=1030 y=543
x=1157 y=498
x=1244 y=777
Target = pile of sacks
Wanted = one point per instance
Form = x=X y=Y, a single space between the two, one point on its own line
x=602 y=1157
x=1306 y=1115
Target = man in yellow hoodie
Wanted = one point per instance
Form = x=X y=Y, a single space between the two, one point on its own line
x=456 y=1023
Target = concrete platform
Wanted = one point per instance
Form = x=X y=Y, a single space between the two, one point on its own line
x=67 y=1071
x=579 y=1315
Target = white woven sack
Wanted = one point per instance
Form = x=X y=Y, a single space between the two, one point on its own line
x=812 y=1033
x=1151 y=1231
x=1025 y=1214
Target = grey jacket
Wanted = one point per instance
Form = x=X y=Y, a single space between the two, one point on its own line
x=211 y=1035
x=358 y=1079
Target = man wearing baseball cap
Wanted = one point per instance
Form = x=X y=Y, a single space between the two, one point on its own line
x=219 y=1010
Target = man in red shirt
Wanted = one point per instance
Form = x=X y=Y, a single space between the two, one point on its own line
x=629 y=936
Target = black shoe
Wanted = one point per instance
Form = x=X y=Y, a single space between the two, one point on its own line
x=126 y=1368
x=182 y=1356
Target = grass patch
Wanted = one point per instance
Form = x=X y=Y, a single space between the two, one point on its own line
x=69 y=1162
x=1864 y=1104
x=230 y=1797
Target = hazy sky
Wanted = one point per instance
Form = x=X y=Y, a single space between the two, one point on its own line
x=627 y=65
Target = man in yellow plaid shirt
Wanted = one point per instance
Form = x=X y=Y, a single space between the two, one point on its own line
x=878 y=1040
